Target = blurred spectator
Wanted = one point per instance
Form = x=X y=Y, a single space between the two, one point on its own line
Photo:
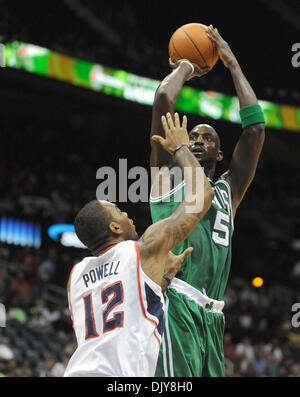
x=12 y=370
x=245 y=319
x=274 y=348
x=262 y=329
x=245 y=353
x=249 y=370
x=46 y=370
x=31 y=261
x=272 y=365
x=295 y=370
x=59 y=368
x=229 y=348
x=39 y=308
x=48 y=266
x=230 y=297
x=20 y=286
x=40 y=324
x=259 y=360
x=6 y=352
x=53 y=368
x=3 y=285
x=27 y=369
x=16 y=310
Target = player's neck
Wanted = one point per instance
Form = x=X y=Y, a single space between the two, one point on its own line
x=209 y=167
x=106 y=245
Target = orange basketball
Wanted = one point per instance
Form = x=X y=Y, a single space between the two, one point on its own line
x=191 y=42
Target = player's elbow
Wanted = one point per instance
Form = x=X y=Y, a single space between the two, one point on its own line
x=256 y=130
x=254 y=137
x=163 y=97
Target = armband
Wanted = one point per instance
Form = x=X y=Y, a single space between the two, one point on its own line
x=251 y=114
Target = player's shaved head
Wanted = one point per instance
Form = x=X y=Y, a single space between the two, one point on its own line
x=200 y=128
x=92 y=224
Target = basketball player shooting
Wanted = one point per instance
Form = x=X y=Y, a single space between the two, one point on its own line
x=194 y=324
x=115 y=296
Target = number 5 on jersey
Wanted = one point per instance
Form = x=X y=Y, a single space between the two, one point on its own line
x=221 y=230
x=112 y=296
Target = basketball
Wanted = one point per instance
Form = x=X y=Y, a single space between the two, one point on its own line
x=191 y=42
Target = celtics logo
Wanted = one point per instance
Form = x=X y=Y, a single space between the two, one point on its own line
x=209 y=306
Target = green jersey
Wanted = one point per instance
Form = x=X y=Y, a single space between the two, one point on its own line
x=207 y=267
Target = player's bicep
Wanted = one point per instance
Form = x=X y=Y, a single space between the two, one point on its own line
x=155 y=239
x=244 y=162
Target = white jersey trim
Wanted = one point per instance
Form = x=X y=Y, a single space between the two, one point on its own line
x=168 y=194
x=192 y=293
x=230 y=198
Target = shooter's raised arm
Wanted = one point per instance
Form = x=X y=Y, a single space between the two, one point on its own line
x=248 y=148
x=164 y=101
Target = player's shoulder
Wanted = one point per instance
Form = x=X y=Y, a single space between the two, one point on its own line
x=222 y=183
x=89 y=262
x=79 y=266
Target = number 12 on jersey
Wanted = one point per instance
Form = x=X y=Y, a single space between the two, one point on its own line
x=112 y=296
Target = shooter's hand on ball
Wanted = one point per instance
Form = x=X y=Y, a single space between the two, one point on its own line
x=223 y=48
x=176 y=134
x=198 y=72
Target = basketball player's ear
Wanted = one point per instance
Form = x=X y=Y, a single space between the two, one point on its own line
x=115 y=228
x=219 y=155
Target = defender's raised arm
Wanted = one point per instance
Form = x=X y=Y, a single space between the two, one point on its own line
x=164 y=235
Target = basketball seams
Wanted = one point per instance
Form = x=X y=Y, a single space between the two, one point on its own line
x=194 y=44
x=176 y=49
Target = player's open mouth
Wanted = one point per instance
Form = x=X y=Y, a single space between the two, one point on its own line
x=198 y=151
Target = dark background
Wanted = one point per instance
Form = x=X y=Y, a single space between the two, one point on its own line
x=55 y=136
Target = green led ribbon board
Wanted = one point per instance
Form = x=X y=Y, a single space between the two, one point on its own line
x=122 y=84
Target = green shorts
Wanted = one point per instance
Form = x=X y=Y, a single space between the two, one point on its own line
x=192 y=344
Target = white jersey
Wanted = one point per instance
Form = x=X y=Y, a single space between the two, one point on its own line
x=117 y=313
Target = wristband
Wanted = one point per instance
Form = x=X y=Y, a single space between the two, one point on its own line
x=165 y=277
x=251 y=114
x=189 y=63
x=179 y=147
